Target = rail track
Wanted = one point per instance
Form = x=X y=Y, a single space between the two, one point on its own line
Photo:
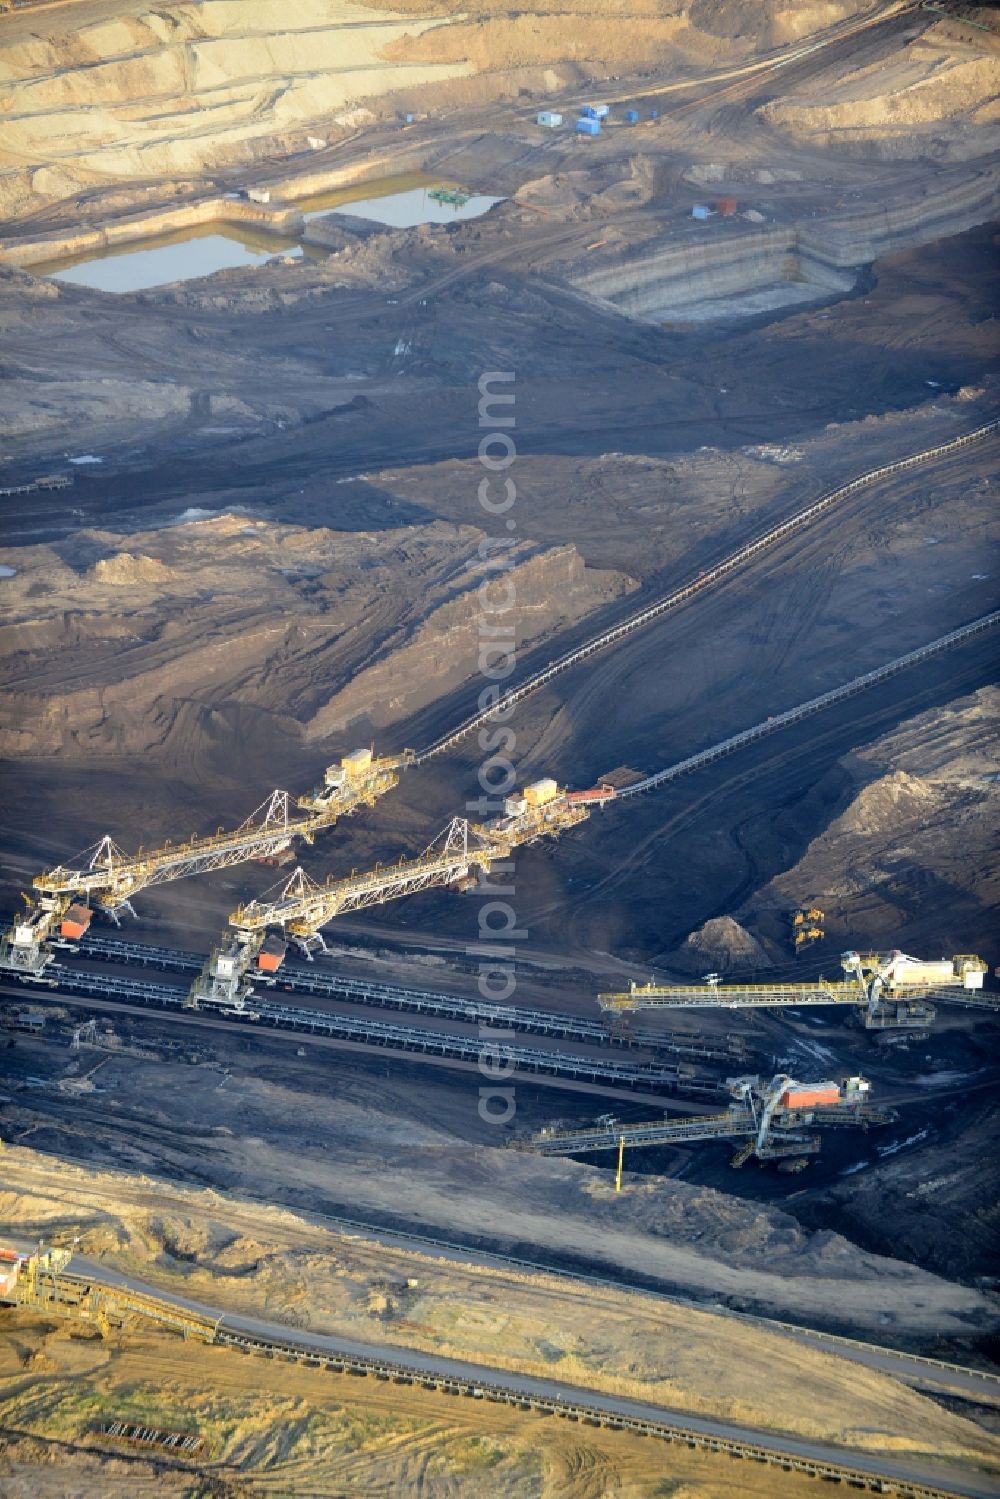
x=746 y=553
x=517 y=1018
x=656 y=1076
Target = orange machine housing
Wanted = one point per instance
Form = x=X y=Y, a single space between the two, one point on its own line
x=76 y=921
x=810 y=1094
x=271 y=955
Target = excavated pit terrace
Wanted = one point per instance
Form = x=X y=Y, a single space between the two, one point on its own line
x=746 y=274
x=727 y=268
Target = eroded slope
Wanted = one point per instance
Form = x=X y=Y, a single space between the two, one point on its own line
x=915 y=833
x=111 y=641
x=302 y=1270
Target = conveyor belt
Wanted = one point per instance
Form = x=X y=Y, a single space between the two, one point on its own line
x=299 y=980
x=753 y=549
x=813 y=705
x=379 y=1033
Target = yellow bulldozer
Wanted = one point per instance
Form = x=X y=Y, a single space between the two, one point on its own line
x=807 y=927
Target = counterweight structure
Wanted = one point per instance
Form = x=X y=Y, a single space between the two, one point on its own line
x=888 y=989
x=771 y=1120
x=62 y=900
x=302 y=907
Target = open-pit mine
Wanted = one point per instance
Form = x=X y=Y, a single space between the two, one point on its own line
x=499 y=622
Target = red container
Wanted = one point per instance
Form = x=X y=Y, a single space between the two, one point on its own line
x=809 y=1095
x=271 y=955
x=76 y=921
x=725 y=206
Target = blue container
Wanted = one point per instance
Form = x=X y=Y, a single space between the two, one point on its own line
x=632 y=115
x=654 y=114
x=589 y=127
x=588 y=112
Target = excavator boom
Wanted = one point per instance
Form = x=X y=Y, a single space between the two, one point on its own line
x=109 y=877
x=704 y=996
x=887 y=987
x=303 y=907
x=771 y=1118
